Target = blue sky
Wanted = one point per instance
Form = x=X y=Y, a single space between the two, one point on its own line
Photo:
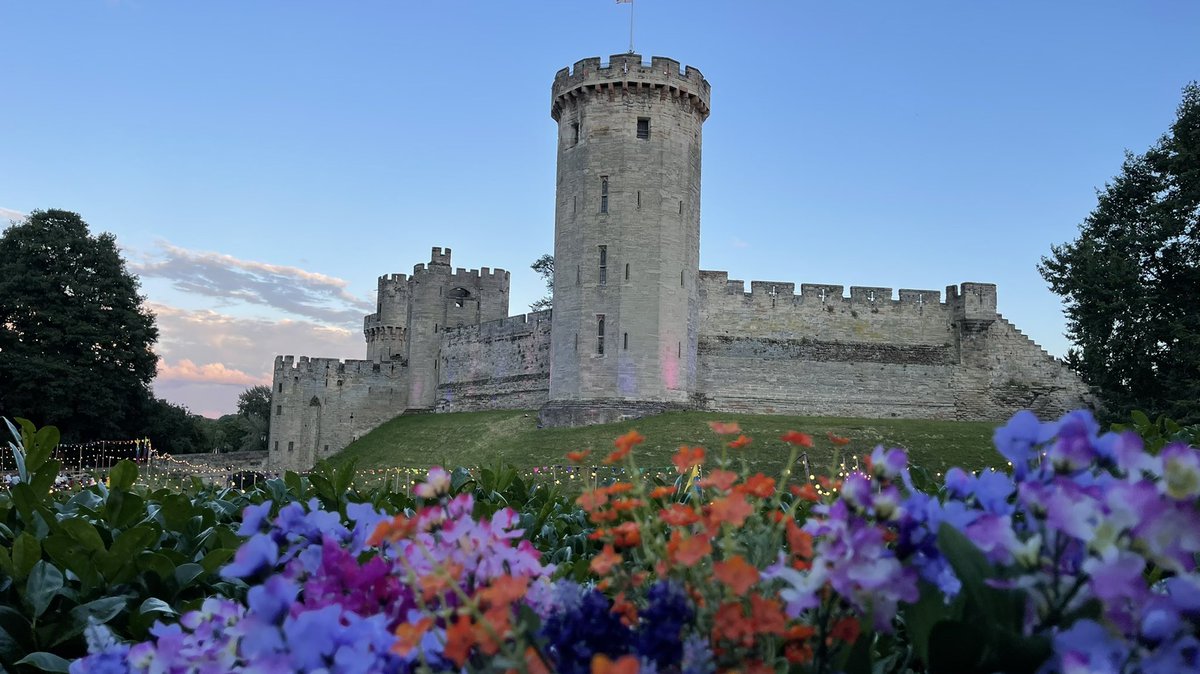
x=262 y=162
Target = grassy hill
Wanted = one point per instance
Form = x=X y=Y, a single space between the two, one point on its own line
x=512 y=437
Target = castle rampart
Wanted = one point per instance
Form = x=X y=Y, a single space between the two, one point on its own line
x=502 y=364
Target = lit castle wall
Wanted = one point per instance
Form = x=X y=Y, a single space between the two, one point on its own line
x=637 y=328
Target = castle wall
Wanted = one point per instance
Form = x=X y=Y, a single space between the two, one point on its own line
x=501 y=364
x=320 y=405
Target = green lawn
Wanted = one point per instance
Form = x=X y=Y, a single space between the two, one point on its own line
x=512 y=437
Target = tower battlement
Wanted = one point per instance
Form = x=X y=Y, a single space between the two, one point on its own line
x=627 y=71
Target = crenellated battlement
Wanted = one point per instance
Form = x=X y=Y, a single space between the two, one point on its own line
x=818 y=293
x=393 y=279
x=513 y=325
x=628 y=71
x=304 y=365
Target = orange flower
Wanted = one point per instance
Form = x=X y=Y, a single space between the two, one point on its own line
x=687 y=457
x=534 y=664
x=724 y=428
x=805 y=493
x=738 y=443
x=624 y=608
x=605 y=561
x=460 y=637
x=578 y=457
x=408 y=635
x=602 y=516
x=800 y=542
x=797 y=438
x=599 y=533
x=730 y=624
x=438 y=582
x=504 y=590
x=767 y=615
x=688 y=551
x=628 y=534
x=626 y=664
x=757 y=667
x=757 y=485
x=737 y=573
x=626 y=504
x=837 y=439
x=679 y=515
x=721 y=479
x=732 y=509
x=618 y=488
x=395 y=529
x=660 y=492
x=624 y=445
x=797 y=650
x=846 y=629
x=592 y=500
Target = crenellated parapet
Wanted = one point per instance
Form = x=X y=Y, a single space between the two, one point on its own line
x=304 y=366
x=504 y=327
x=817 y=294
x=624 y=72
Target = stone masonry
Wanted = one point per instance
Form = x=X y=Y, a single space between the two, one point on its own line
x=637 y=328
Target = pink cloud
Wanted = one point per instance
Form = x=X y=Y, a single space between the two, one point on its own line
x=208 y=373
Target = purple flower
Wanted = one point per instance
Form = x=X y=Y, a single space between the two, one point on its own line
x=1088 y=648
x=1017 y=439
x=271 y=600
x=1074 y=448
x=1180 y=471
x=253 y=517
x=1117 y=582
x=259 y=553
x=890 y=464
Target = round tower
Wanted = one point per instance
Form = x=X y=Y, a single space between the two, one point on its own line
x=386 y=330
x=626 y=238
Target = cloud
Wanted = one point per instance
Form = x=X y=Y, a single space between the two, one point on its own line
x=738 y=243
x=289 y=289
x=7 y=214
x=208 y=373
x=207 y=357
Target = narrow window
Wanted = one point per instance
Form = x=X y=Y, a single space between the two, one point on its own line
x=600 y=334
x=626 y=274
x=575 y=204
x=575 y=133
x=435 y=327
x=278 y=410
x=680 y=278
x=679 y=349
x=577 y=341
x=577 y=275
x=681 y=206
x=277 y=445
x=604 y=194
x=625 y=341
x=603 y=265
x=291 y=445
x=326 y=448
x=639 y=203
x=281 y=387
x=643 y=128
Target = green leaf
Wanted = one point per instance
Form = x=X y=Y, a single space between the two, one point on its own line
x=6 y=563
x=10 y=648
x=123 y=475
x=100 y=610
x=955 y=648
x=294 y=482
x=46 y=662
x=919 y=618
x=158 y=564
x=115 y=564
x=858 y=658
x=459 y=478
x=27 y=551
x=84 y=533
x=186 y=573
x=216 y=559
x=156 y=605
x=969 y=565
x=44 y=583
x=1140 y=420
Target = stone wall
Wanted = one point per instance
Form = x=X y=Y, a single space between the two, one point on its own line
x=320 y=405
x=496 y=365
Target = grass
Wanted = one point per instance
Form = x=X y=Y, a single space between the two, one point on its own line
x=511 y=437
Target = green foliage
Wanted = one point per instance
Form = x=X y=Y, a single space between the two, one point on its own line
x=544 y=266
x=254 y=408
x=1129 y=280
x=120 y=555
x=75 y=338
x=173 y=429
x=1157 y=433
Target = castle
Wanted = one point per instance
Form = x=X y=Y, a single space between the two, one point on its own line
x=637 y=327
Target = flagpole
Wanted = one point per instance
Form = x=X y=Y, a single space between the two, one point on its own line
x=630 y=26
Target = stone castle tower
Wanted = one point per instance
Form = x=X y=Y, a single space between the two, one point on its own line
x=637 y=328
x=626 y=238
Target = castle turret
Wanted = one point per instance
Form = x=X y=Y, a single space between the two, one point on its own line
x=442 y=297
x=626 y=238
x=386 y=330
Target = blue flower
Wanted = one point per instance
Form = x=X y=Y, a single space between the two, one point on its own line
x=659 y=635
x=573 y=637
x=257 y=554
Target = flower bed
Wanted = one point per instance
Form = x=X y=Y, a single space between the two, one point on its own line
x=1082 y=558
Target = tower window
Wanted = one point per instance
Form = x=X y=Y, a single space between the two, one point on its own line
x=603 y=265
x=680 y=278
x=281 y=387
x=600 y=334
x=574 y=204
x=681 y=206
x=577 y=275
x=278 y=410
x=679 y=349
x=604 y=194
x=277 y=445
x=639 y=199
x=626 y=273
x=575 y=133
x=625 y=341
x=291 y=445
x=643 y=128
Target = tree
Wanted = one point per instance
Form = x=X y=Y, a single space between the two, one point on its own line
x=173 y=429
x=254 y=409
x=75 y=337
x=544 y=266
x=1131 y=281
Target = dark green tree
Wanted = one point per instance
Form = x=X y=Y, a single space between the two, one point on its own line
x=1131 y=281
x=254 y=410
x=75 y=336
x=544 y=266
x=173 y=429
